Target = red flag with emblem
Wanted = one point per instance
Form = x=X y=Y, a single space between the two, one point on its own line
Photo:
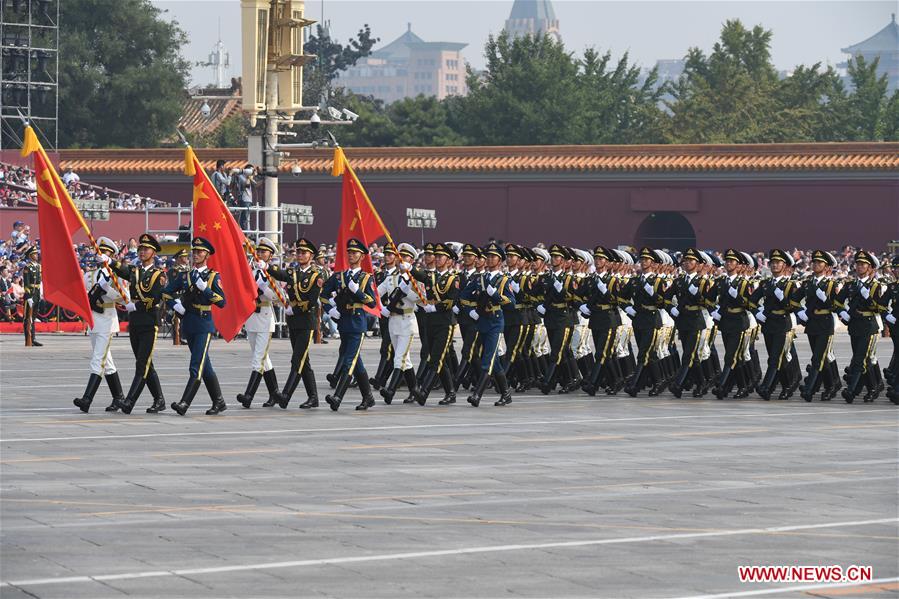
x=58 y=220
x=358 y=218
x=214 y=222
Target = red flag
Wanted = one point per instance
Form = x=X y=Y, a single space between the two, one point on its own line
x=358 y=218
x=213 y=222
x=58 y=219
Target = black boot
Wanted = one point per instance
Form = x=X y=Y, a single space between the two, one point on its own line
x=271 y=385
x=190 y=391
x=115 y=388
x=659 y=381
x=808 y=392
x=246 y=398
x=424 y=389
x=461 y=374
x=156 y=391
x=591 y=381
x=449 y=393
x=548 y=382
x=137 y=385
x=84 y=402
x=390 y=390
x=502 y=385
x=381 y=375
x=633 y=386
x=721 y=389
x=368 y=400
x=283 y=398
x=311 y=389
x=215 y=393
x=475 y=398
x=334 y=377
x=342 y=384
x=852 y=383
x=767 y=385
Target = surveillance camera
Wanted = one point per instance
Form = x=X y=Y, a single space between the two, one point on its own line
x=205 y=109
x=350 y=115
x=315 y=120
x=296 y=170
x=334 y=114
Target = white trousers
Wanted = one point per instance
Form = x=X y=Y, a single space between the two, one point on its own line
x=402 y=330
x=259 y=343
x=101 y=354
x=540 y=344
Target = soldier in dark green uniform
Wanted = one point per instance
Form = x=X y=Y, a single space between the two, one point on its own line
x=599 y=306
x=468 y=363
x=31 y=281
x=385 y=365
x=772 y=300
x=557 y=288
x=181 y=266
x=892 y=322
x=145 y=284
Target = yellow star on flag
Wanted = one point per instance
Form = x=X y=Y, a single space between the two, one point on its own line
x=202 y=227
x=217 y=225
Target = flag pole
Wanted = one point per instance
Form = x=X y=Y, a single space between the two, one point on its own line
x=87 y=231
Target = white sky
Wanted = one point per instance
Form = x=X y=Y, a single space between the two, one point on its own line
x=805 y=32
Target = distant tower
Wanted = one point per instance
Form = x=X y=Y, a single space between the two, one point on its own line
x=533 y=17
x=883 y=45
x=219 y=61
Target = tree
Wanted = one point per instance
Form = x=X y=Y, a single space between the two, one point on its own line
x=331 y=59
x=121 y=77
x=869 y=100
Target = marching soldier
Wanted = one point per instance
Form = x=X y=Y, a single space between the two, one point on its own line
x=645 y=295
x=859 y=302
x=892 y=320
x=181 y=265
x=260 y=327
x=353 y=290
x=145 y=284
x=441 y=290
x=490 y=291
x=773 y=300
x=192 y=294
x=820 y=292
x=399 y=308
x=556 y=287
x=385 y=365
x=427 y=258
x=514 y=326
x=468 y=364
x=733 y=295
x=539 y=342
x=102 y=297
x=528 y=370
x=600 y=308
x=31 y=281
x=686 y=292
x=304 y=285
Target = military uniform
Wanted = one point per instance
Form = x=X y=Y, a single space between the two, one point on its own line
x=601 y=309
x=103 y=295
x=386 y=352
x=817 y=315
x=31 y=281
x=353 y=290
x=644 y=293
x=469 y=362
x=558 y=288
x=304 y=285
x=513 y=316
x=176 y=270
x=145 y=284
x=891 y=317
x=684 y=296
x=733 y=294
x=192 y=294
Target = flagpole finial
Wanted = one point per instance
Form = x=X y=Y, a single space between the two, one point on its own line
x=22 y=116
x=183 y=139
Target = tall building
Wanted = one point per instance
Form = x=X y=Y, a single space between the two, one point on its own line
x=883 y=45
x=533 y=17
x=407 y=67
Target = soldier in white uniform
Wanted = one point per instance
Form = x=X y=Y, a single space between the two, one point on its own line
x=103 y=296
x=402 y=299
x=260 y=326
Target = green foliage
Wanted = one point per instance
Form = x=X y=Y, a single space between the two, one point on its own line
x=331 y=59
x=121 y=74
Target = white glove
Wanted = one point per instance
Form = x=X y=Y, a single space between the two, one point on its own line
x=601 y=286
x=261 y=283
x=430 y=308
x=844 y=315
x=558 y=286
x=474 y=314
x=130 y=307
x=30 y=302
x=801 y=315
x=179 y=308
x=648 y=288
x=334 y=314
x=289 y=310
x=405 y=266
x=732 y=291
x=515 y=286
x=693 y=289
x=760 y=316
x=385 y=312
x=455 y=309
x=405 y=286
x=541 y=309
x=675 y=312
x=630 y=311
x=491 y=290
x=201 y=284
x=778 y=293
x=865 y=292
x=261 y=265
x=353 y=285
x=103 y=282
x=716 y=316
x=891 y=319
x=102 y=258
x=821 y=295
x=584 y=310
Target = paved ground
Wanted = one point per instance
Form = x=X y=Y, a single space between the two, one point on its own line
x=565 y=496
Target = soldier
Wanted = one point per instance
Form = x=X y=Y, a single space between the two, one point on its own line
x=192 y=294
x=145 y=284
x=102 y=296
x=555 y=288
x=772 y=300
x=399 y=307
x=304 y=285
x=817 y=315
x=468 y=364
x=441 y=290
x=260 y=327
x=31 y=281
x=603 y=319
x=181 y=265
x=385 y=365
x=644 y=293
x=428 y=259
x=490 y=291
x=733 y=298
x=892 y=320
x=859 y=302
x=353 y=290
x=539 y=343
x=686 y=293
x=514 y=327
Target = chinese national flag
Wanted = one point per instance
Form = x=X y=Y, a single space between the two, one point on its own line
x=358 y=218
x=58 y=220
x=213 y=222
